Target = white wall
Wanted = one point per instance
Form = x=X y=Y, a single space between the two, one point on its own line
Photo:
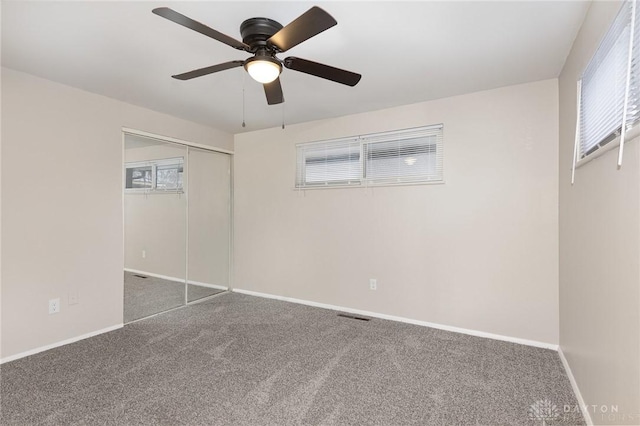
x=478 y=252
x=62 y=206
x=599 y=252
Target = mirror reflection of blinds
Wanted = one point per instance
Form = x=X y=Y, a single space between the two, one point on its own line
x=610 y=85
x=155 y=175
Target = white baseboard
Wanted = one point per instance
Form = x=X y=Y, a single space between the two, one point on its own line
x=151 y=274
x=405 y=320
x=174 y=279
x=216 y=286
x=576 y=390
x=58 y=344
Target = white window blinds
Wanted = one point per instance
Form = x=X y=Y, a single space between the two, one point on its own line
x=407 y=156
x=412 y=155
x=329 y=163
x=610 y=85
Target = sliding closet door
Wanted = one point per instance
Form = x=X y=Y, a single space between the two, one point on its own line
x=209 y=223
x=155 y=224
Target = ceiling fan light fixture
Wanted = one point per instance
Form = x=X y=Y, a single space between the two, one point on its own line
x=263 y=70
x=264 y=38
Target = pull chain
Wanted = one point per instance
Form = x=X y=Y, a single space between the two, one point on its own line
x=243 y=79
x=282 y=115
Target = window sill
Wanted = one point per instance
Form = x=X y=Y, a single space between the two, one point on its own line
x=147 y=191
x=631 y=134
x=365 y=185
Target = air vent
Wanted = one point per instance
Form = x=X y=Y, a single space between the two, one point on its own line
x=354 y=317
x=139 y=276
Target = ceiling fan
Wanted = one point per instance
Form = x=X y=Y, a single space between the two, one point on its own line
x=264 y=38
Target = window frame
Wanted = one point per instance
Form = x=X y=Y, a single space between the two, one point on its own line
x=366 y=141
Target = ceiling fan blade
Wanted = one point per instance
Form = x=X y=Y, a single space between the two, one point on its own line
x=273 y=91
x=311 y=23
x=323 y=71
x=208 y=70
x=180 y=19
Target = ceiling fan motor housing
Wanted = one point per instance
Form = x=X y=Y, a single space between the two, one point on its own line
x=256 y=31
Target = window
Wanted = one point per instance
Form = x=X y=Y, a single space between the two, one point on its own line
x=609 y=92
x=333 y=162
x=156 y=175
x=403 y=156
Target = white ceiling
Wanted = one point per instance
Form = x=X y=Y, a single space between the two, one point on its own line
x=406 y=51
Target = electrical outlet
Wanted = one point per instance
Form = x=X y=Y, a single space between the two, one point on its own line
x=73 y=297
x=54 y=306
x=144 y=254
x=373 y=284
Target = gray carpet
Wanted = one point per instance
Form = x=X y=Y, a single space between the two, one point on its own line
x=149 y=296
x=242 y=360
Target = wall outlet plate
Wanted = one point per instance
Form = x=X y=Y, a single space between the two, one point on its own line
x=54 y=306
x=373 y=284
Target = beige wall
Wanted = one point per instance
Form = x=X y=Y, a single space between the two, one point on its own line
x=599 y=252
x=62 y=206
x=478 y=252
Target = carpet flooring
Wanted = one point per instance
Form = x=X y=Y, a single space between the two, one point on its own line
x=242 y=360
x=148 y=296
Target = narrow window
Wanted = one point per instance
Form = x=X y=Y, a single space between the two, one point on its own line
x=610 y=85
x=329 y=163
x=412 y=157
x=401 y=156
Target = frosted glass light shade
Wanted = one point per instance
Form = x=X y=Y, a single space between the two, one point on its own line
x=263 y=71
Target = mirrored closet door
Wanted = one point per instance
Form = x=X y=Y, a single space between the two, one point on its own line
x=177 y=225
x=155 y=226
x=209 y=223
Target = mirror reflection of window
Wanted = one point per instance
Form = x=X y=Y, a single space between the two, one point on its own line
x=155 y=175
x=139 y=178
x=169 y=176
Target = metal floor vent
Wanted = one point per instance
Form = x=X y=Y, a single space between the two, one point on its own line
x=139 y=276
x=354 y=317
